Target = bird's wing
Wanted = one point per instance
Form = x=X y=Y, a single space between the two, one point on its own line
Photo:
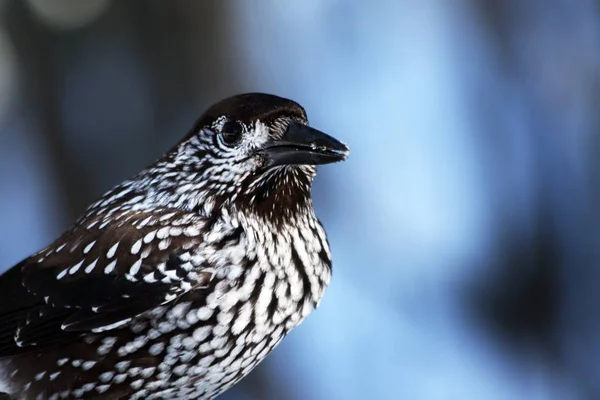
x=98 y=276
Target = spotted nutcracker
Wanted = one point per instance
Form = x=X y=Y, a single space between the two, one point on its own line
x=177 y=282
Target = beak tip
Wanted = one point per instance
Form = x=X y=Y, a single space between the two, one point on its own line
x=346 y=149
x=343 y=151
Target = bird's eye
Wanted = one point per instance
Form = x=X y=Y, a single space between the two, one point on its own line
x=231 y=132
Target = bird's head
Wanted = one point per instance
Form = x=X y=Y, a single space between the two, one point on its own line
x=255 y=151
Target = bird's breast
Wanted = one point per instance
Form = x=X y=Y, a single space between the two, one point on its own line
x=262 y=284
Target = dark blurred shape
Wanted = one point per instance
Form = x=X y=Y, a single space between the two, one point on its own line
x=521 y=301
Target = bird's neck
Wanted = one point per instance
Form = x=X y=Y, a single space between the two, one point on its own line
x=279 y=196
x=296 y=252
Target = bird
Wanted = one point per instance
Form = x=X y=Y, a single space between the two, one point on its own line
x=177 y=282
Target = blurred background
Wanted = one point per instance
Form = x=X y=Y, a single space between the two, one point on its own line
x=465 y=227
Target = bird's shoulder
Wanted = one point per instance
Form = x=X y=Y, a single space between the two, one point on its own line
x=132 y=244
x=98 y=275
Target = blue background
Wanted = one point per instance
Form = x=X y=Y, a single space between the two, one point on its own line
x=465 y=226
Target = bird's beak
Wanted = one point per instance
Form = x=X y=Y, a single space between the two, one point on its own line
x=301 y=144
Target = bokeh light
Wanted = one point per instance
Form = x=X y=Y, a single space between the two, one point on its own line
x=68 y=14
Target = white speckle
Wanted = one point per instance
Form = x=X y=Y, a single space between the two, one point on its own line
x=62 y=274
x=107 y=344
x=119 y=378
x=164 y=244
x=218 y=342
x=102 y=388
x=146 y=252
x=189 y=343
x=247 y=361
x=170 y=297
x=181 y=381
x=179 y=309
x=137 y=384
x=175 y=231
x=192 y=317
x=201 y=333
x=206 y=361
x=110 y=267
x=166 y=327
x=182 y=323
x=180 y=370
x=149 y=237
x=153 y=334
x=162 y=233
x=137 y=246
x=187 y=266
x=204 y=313
x=75 y=268
x=111 y=326
x=235 y=272
x=122 y=365
x=62 y=361
x=88 y=365
x=106 y=376
x=59 y=248
x=154 y=386
x=91 y=267
x=175 y=342
x=171 y=274
x=89 y=247
x=38 y=377
x=90 y=226
x=147 y=372
x=187 y=356
x=140 y=341
x=135 y=268
x=112 y=251
x=258 y=348
x=236 y=364
x=88 y=387
x=156 y=349
x=243 y=319
x=191 y=231
x=138 y=327
x=128 y=348
x=167 y=216
x=76 y=363
x=144 y=222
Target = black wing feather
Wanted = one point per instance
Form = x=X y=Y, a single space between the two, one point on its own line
x=83 y=305
x=38 y=310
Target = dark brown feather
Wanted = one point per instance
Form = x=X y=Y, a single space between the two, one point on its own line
x=44 y=311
